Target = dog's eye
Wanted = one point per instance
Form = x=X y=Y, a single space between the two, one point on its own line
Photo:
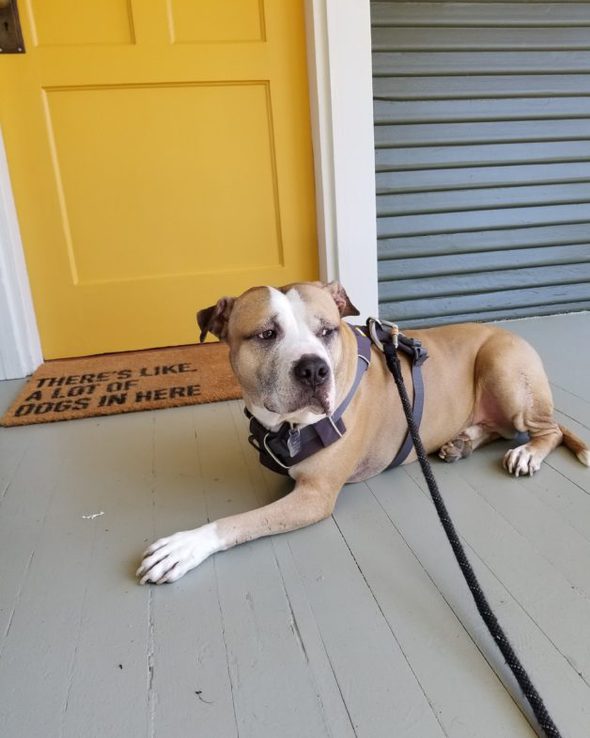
x=327 y=332
x=267 y=335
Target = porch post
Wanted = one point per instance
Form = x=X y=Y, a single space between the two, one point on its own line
x=340 y=82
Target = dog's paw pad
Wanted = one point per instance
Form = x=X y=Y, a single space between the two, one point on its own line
x=454 y=450
x=521 y=461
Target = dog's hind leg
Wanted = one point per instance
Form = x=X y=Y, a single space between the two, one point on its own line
x=466 y=443
x=544 y=436
x=530 y=410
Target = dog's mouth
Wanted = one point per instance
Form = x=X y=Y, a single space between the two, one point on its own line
x=317 y=402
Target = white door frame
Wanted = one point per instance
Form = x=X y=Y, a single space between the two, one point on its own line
x=20 y=347
x=340 y=85
x=341 y=96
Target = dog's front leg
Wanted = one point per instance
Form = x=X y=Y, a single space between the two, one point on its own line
x=170 y=558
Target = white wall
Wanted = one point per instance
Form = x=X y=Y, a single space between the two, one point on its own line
x=20 y=348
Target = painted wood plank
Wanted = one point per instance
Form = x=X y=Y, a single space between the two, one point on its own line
x=27 y=493
x=389 y=311
x=468 y=177
x=115 y=460
x=456 y=62
x=430 y=223
x=437 y=133
x=501 y=279
x=422 y=157
x=464 y=243
x=481 y=86
x=560 y=341
x=58 y=594
x=433 y=38
x=13 y=447
x=409 y=310
x=485 y=198
x=542 y=590
x=519 y=504
x=433 y=640
x=417 y=268
x=565 y=693
x=494 y=109
x=479 y=14
x=375 y=678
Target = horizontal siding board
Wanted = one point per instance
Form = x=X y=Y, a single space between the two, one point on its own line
x=481 y=220
x=479 y=14
x=483 y=199
x=432 y=157
x=480 y=132
x=482 y=241
x=432 y=38
x=482 y=86
x=388 y=312
x=457 y=62
x=433 y=179
x=442 y=111
x=453 y=264
x=479 y=303
x=487 y=281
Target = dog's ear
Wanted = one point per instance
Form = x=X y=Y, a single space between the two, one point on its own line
x=341 y=299
x=214 y=319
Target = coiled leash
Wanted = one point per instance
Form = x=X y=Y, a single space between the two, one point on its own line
x=385 y=339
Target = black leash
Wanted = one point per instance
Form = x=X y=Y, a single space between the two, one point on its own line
x=486 y=612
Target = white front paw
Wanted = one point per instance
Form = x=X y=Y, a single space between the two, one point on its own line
x=170 y=558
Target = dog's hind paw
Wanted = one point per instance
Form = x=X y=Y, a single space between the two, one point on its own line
x=521 y=460
x=458 y=448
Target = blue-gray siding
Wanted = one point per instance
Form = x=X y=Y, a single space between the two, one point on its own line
x=482 y=131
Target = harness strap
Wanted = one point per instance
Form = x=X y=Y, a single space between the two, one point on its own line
x=418 y=355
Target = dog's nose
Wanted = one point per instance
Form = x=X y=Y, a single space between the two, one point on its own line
x=311 y=370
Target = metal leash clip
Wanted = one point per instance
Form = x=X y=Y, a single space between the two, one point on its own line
x=387 y=326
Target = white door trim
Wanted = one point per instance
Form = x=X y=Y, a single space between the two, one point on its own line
x=20 y=347
x=341 y=97
x=340 y=83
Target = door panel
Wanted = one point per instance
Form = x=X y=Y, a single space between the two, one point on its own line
x=160 y=155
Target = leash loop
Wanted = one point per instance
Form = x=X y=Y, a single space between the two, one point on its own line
x=533 y=697
x=374 y=324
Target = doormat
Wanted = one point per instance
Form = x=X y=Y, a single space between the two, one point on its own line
x=122 y=383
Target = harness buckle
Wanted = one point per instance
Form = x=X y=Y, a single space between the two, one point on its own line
x=384 y=325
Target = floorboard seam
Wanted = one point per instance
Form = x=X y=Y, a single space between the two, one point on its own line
x=475 y=555
x=582 y=593
x=375 y=599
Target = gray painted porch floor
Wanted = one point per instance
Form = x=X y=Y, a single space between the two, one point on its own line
x=358 y=626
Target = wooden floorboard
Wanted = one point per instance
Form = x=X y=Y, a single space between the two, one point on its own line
x=358 y=627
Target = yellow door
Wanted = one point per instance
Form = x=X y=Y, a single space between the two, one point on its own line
x=160 y=156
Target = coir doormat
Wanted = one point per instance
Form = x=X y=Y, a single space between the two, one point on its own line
x=120 y=383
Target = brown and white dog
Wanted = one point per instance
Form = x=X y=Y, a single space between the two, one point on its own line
x=296 y=359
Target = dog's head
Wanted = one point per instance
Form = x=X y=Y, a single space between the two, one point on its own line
x=285 y=346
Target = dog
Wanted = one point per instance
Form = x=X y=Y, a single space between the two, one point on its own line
x=296 y=360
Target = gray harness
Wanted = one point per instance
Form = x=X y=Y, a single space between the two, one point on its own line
x=281 y=449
